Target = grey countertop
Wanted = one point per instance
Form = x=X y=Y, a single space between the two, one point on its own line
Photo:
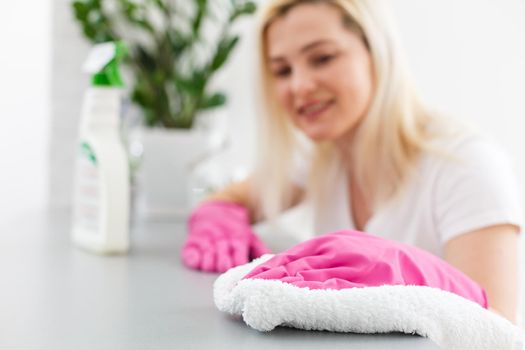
x=54 y=296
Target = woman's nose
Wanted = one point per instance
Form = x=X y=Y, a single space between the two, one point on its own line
x=302 y=83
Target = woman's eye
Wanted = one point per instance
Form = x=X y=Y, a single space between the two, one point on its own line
x=323 y=59
x=282 y=72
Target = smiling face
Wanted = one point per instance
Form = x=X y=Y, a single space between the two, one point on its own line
x=321 y=71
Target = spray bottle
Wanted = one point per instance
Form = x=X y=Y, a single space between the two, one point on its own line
x=101 y=199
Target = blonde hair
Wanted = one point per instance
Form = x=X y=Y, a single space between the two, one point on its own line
x=388 y=140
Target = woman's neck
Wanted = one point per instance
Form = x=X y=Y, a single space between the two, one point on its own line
x=344 y=146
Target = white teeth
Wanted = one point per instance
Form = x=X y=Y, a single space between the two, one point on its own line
x=314 y=108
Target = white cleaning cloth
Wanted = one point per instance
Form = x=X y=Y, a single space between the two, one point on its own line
x=452 y=322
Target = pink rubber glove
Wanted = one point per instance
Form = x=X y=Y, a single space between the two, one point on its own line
x=348 y=259
x=220 y=237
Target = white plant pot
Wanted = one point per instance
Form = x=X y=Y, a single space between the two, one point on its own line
x=162 y=179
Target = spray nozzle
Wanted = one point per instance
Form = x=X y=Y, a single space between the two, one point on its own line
x=102 y=63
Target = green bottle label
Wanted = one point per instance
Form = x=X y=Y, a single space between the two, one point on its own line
x=86 y=150
x=87 y=192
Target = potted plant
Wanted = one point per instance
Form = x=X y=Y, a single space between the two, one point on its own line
x=175 y=49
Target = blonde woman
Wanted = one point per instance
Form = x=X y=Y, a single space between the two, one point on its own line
x=380 y=162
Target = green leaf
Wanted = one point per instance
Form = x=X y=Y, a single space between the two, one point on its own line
x=166 y=10
x=145 y=60
x=215 y=100
x=81 y=11
x=193 y=86
x=202 y=6
x=200 y=78
x=134 y=14
x=248 y=8
x=224 y=49
x=90 y=32
x=178 y=42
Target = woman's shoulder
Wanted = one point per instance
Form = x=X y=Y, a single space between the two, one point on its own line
x=467 y=149
x=474 y=166
x=471 y=183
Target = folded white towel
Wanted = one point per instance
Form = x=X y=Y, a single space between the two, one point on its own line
x=452 y=322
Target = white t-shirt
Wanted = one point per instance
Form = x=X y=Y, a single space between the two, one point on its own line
x=445 y=198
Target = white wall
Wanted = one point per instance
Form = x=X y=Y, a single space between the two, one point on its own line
x=468 y=58
x=67 y=86
x=24 y=104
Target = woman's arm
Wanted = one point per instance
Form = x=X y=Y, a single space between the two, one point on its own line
x=241 y=193
x=490 y=257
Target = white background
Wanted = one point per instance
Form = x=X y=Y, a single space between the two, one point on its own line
x=25 y=52
x=468 y=58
